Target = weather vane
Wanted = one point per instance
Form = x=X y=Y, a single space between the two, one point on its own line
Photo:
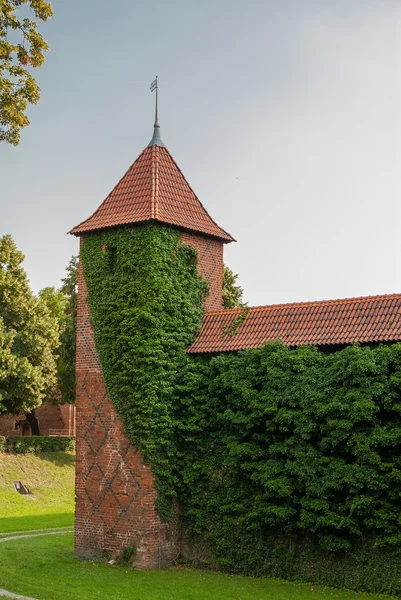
x=156 y=139
x=153 y=87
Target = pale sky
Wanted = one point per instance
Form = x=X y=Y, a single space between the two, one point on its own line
x=283 y=116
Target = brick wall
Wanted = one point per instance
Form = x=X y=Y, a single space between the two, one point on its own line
x=49 y=416
x=210 y=265
x=115 y=490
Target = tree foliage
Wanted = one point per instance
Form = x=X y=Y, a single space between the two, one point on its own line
x=62 y=304
x=67 y=350
x=29 y=335
x=232 y=293
x=55 y=301
x=21 y=47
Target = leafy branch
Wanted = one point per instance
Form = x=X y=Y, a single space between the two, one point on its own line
x=18 y=88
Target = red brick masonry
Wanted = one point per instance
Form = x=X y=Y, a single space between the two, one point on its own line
x=52 y=418
x=115 y=491
x=210 y=265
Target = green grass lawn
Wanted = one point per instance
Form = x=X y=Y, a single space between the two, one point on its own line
x=45 y=567
x=49 y=477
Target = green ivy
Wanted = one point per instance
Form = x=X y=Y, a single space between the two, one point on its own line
x=292 y=442
x=146 y=301
x=285 y=462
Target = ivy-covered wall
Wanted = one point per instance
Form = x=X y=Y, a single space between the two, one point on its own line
x=285 y=462
x=146 y=301
x=290 y=463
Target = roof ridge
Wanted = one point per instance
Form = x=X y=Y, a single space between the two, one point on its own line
x=109 y=194
x=192 y=190
x=156 y=198
x=153 y=193
x=353 y=299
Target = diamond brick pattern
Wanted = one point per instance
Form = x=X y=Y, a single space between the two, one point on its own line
x=153 y=189
x=115 y=490
x=369 y=319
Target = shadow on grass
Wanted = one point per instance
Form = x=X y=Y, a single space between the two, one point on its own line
x=36 y=522
x=60 y=459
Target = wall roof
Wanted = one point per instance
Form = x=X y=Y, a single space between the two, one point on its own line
x=332 y=322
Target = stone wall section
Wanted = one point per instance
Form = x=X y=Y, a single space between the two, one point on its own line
x=115 y=490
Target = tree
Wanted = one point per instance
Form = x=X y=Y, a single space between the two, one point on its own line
x=62 y=304
x=232 y=294
x=21 y=47
x=55 y=300
x=66 y=360
x=29 y=336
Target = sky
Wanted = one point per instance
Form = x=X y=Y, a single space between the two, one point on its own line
x=283 y=116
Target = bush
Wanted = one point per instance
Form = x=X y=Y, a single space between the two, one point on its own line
x=269 y=553
x=126 y=556
x=34 y=444
x=298 y=444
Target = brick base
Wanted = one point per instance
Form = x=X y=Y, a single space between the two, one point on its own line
x=115 y=491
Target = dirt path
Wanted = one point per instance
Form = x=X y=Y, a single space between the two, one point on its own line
x=28 y=534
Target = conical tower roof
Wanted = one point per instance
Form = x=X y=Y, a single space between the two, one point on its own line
x=153 y=189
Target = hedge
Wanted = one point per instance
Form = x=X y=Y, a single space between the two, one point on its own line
x=299 y=558
x=289 y=462
x=34 y=444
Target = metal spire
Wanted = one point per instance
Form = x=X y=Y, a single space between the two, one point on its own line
x=156 y=139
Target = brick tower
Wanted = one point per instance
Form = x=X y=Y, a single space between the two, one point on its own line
x=115 y=491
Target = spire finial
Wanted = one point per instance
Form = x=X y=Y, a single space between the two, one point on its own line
x=156 y=139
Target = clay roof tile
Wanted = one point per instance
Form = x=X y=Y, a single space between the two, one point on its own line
x=332 y=322
x=153 y=189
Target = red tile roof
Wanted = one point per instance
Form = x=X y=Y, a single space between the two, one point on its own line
x=332 y=322
x=153 y=189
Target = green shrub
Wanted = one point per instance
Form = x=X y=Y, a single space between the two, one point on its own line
x=300 y=558
x=278 y=442
x=124 y=559
x=34 y=444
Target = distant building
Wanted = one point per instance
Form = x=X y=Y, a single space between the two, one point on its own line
x=54 y=420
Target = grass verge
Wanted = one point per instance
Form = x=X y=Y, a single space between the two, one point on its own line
x=44 y=567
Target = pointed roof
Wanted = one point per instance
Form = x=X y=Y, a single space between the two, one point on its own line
x=153 y=189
